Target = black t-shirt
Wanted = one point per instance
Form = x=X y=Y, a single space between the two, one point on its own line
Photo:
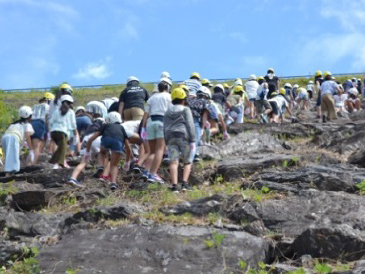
x=272 y=83
x=219 y=98
x=115 y=131
x=318 y=79
x=114 y=107
x=95 y=126
x=134 y=96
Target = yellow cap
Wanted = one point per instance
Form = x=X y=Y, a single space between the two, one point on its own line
x=282 y=91
x=1 y=153
x=260 y=78
x=318 y=73
x=205 y=81
x=185 y=88
x=49 y=96
x=238 y=89
x=178 y=93
x=67 y=88
x=225 y=85
x=327 y=73
x=195 y=74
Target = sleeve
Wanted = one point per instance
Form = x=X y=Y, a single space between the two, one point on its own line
x=147 y=107
x=189 y=125
x=147 y=96
x=128 y=133
x=72 y=124
x=29 y=128
x=122 y=95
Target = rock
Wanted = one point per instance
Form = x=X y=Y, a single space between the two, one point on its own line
x=322 y=177
x=238 y=168
x=340 y=242
x=10 y=251
x=137 y=249
x=279 y=268
x=200 y=207
x=35 y=199
x=280 y=187
x=359 y=267
x=208 y=152
x=256 y=228
x=358 y=158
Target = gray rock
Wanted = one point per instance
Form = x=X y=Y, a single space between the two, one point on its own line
x=340 y=242
x=10 y=251
x=160 y=249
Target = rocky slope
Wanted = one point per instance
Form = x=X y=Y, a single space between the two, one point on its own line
x=272 y=198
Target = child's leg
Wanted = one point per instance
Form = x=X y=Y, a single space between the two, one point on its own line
x=173 y=171
x=159 y=149
x=357 y=104
x=114 y=163
x=214 y=128
x=151 y=155
x=186 y=172
x=105 y=161
x=80 y=167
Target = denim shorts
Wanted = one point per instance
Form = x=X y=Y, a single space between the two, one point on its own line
x=154 y=130
x=110 y=143
x=40 y=130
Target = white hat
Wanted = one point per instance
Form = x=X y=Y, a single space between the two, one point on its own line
x=165 y=74
x=114 y=117
x=80 y=108
x=166 y=80
x=132 y=78
x=25 y=112
x=219 y=86
x=287 y=85
x=205 y=91
x=296 y=86
x=353 y=91
x=115 y=99
x=252 y=77
x=67 y=98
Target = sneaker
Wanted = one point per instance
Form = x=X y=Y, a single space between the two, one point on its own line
x=145 y=174
x=185 y=187
x=154 y=178
x=74 y=182
x=137 y=169
x=56 y=166
x=104 y=178
x=113 y=186
x=175 y=188
x=197 y=158
x=263 y=118
x=166 y=160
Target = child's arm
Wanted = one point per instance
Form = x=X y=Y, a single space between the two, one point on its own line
x=190 y=125
x=128 y=150
x=91 y=140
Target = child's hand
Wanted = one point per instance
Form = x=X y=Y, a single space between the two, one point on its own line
x=143 y=134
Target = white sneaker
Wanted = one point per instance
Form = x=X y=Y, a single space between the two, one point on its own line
x=56 y=166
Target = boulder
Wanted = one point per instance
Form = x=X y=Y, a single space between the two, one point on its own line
x=138 y=249
x=338 y=242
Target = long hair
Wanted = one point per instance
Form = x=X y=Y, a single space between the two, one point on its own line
x=22 y=120
x=64 y=108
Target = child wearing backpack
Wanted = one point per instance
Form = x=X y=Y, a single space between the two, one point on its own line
x=263 y=105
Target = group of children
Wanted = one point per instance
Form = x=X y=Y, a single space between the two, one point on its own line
x=169 y=123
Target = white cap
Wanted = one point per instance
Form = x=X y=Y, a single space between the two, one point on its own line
x=166 y=80
x=296 y=86
x=310 y=82
x=205 y=91
x=238 y=82
x=80 y=108
x=165 y=74
x=25 y=112
x=353 y=91
x=67 y=98
x=253 y=77
x=114 y=117
x=132 y=78
x=115 y=99
x=219 y=86
x=287 y=85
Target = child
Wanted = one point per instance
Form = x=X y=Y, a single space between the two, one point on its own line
x=62 y=122
x=152 y=128
x=236 y=104
x=39 y=123
x=263 y=105
x=13 y=140
x=310 y=89
x=251 y=87
x=340 y=100
x=354 y=103
x=95 y=149
x=180 y=138
x=302 y=97
x=113 y=138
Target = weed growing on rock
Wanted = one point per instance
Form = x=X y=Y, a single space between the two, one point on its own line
x=216 y=241
x=28 y=265
x=322 y=268
x=361 y=187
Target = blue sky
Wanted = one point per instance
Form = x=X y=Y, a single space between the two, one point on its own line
x=44 y=43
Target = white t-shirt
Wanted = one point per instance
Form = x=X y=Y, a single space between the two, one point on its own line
x=340 y=100
x=65 y=124
x=108 y=102
x=53 y=107
x=19 y=130
x=131 y=127
x=40 y=112
x=158 y=103
x=310 y=87
x=96 y=107
x=328 y=87
x=251 y=89
x=261 y=89
x=280 y=101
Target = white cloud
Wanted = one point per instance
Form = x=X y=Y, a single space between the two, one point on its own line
x=93 y=70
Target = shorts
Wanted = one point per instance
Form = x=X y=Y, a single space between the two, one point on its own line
x=40 y=130
x=154 y=130
x=303 y=96
x=262 y=105
x=110 y=143
x=135 y=114
x=11 y=147
x=310 y=92
x=319 y=99
x=275 y=108
x=253 y=100
x=95 y=145
x=179 y=148
x=213 y=112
